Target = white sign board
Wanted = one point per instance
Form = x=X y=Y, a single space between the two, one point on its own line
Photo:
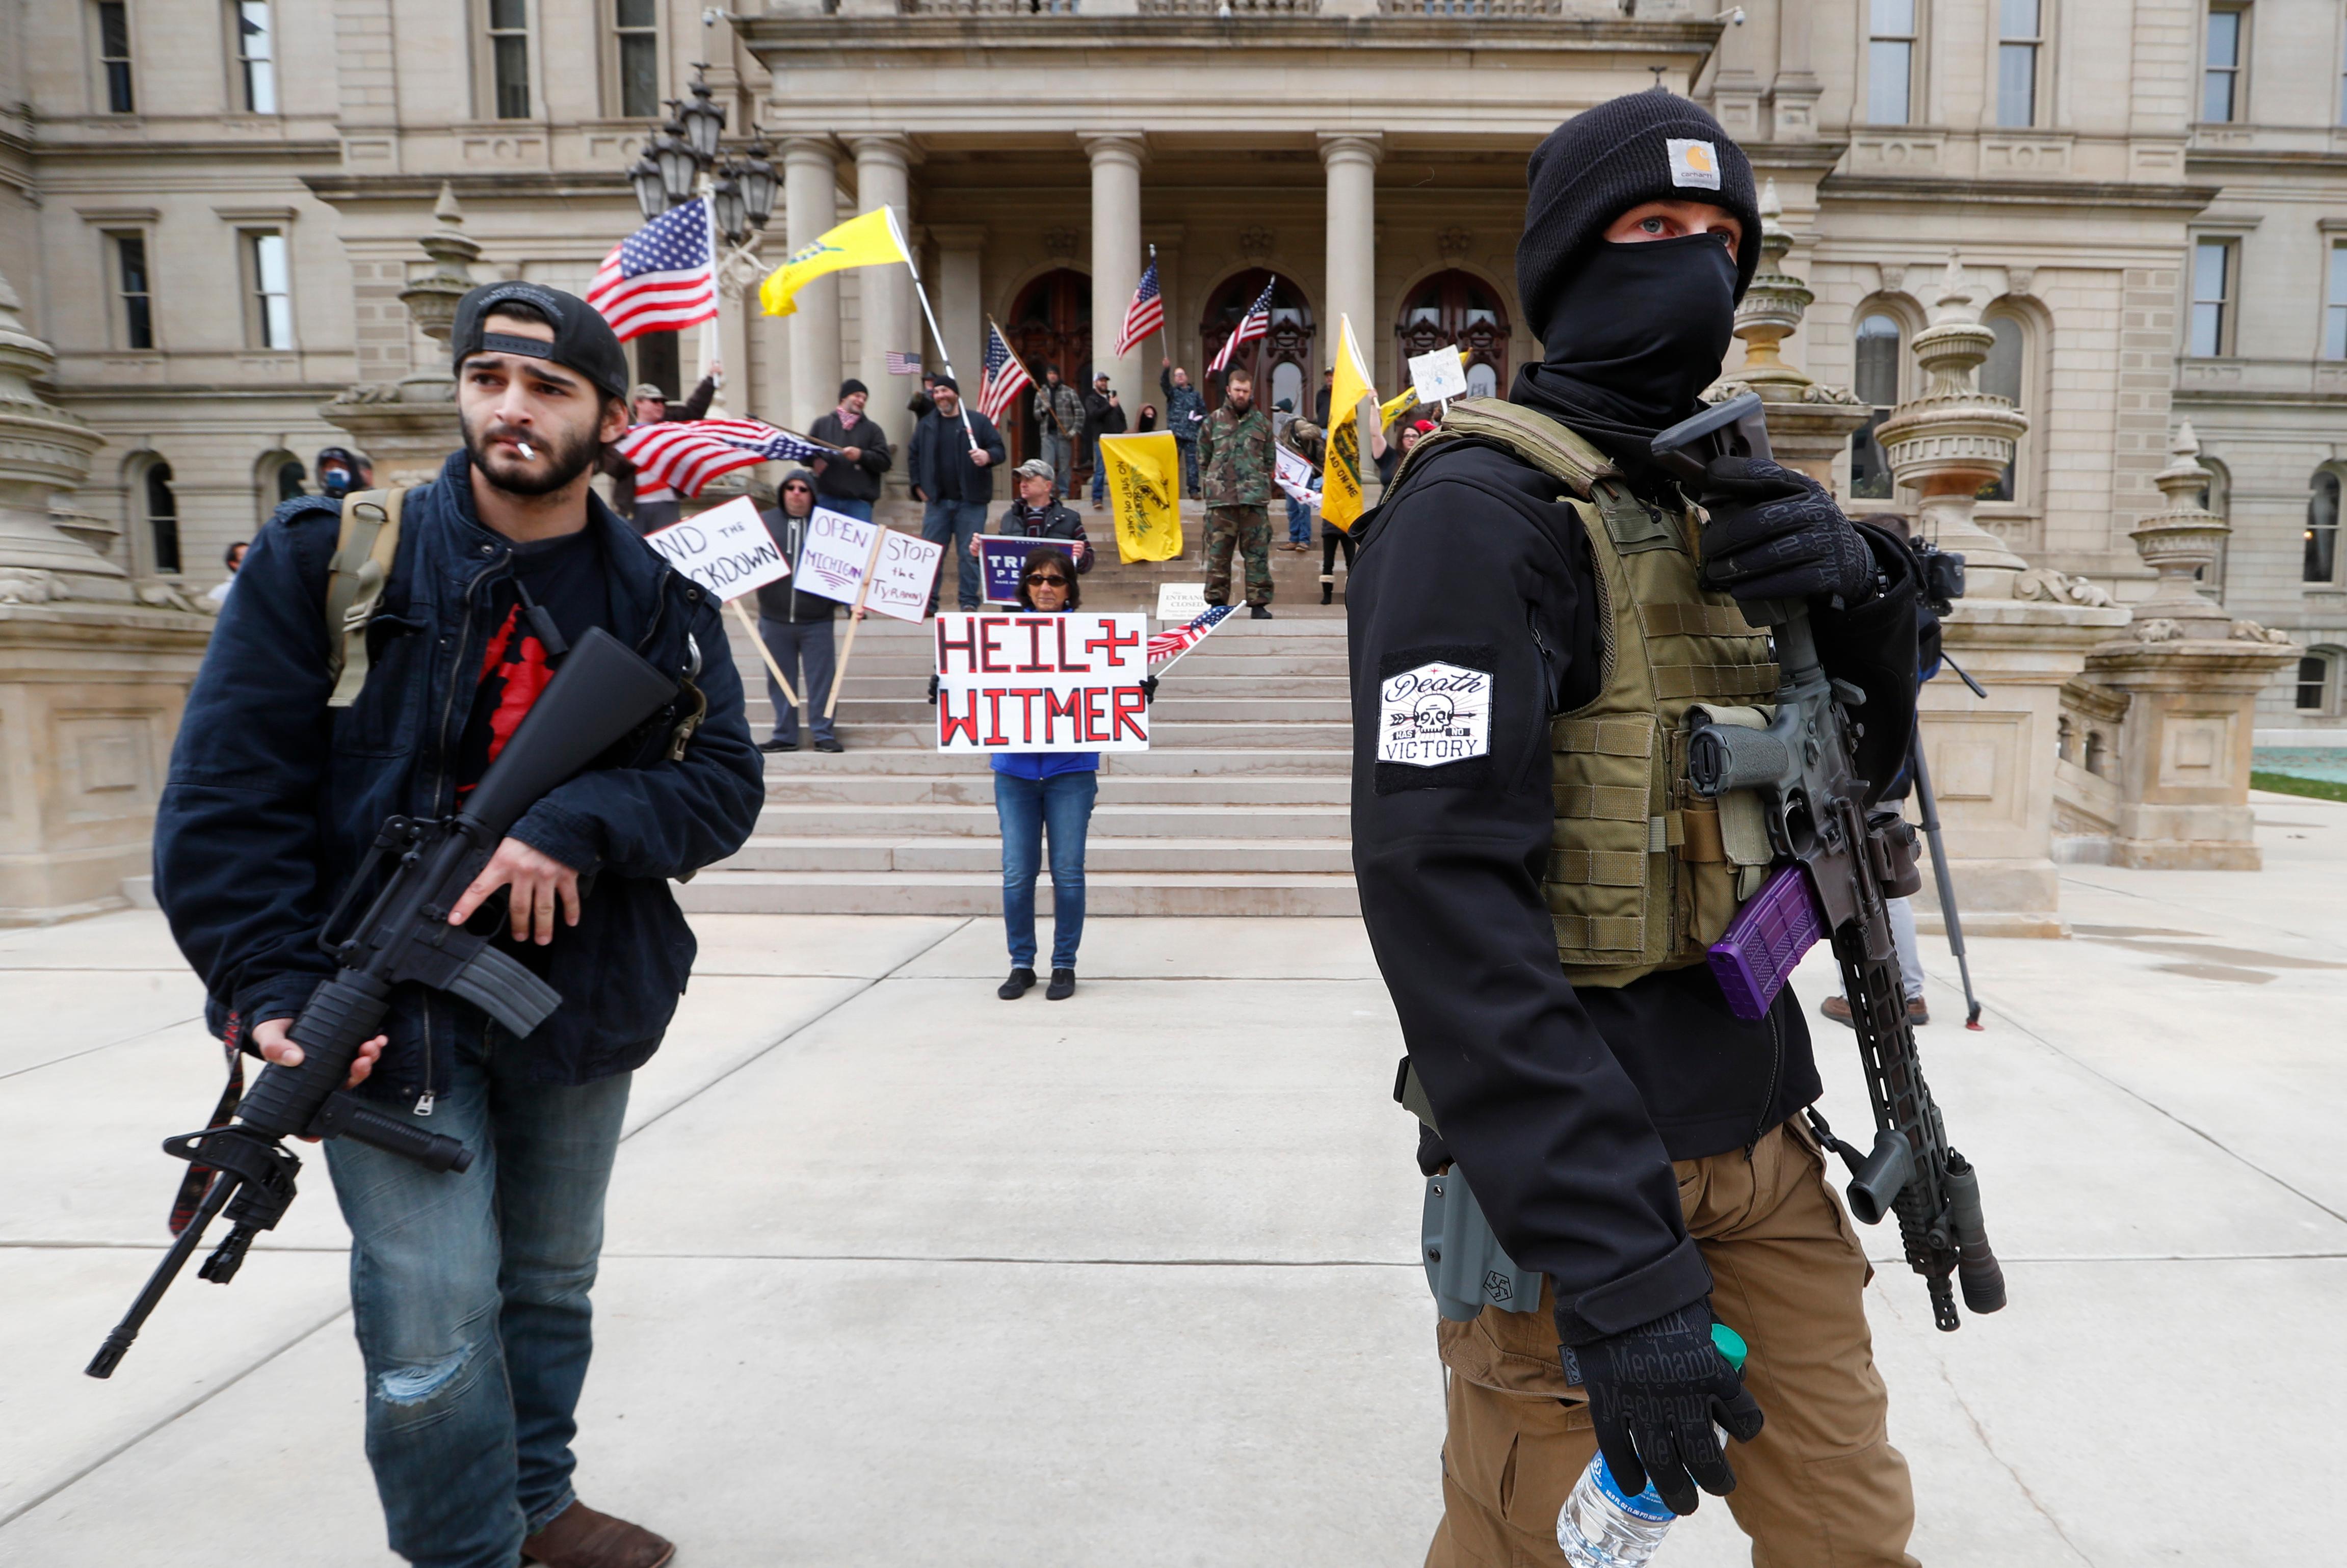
x=1438 y=375
x=1182 y=601
x=835 y=553
x=726 y=550
x=1295 y=476
x=1019 y=681
x=901 y=578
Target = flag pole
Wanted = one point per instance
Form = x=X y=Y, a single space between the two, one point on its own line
x=839 y=676
x=712 y=339
x=944 y=353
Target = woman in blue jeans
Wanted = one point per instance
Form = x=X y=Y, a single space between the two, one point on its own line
x=1038 y=794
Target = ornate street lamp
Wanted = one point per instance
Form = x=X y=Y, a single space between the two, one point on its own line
x=652 y=195
x=679 y=168
x=704 y=121
x=759 y=182
x=725 y=197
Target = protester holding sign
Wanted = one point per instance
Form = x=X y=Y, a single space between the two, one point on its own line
x=1036 y=792
x=796 y=626
x=1037 y=513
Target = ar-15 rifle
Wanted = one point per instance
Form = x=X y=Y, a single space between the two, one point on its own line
x=603 y=691
x=1837 y=863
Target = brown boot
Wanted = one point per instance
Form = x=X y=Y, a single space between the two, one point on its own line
x=579 y=1537
x=1838 y=1010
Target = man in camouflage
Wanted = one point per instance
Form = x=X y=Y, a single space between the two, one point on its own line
x=1236 y=463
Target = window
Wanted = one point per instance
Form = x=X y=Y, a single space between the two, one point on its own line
x=162 y=518
x=269 y=318
x=2315 y=672
x=2000 y=377
x=509 y=57
x=2334 y=314
x=114 y=54
x=2220 y=67
x=256 y=55
x=1891 y=62
x=2323 y=530
x=136 y=319
x=2216 y=499
x=2018 y=37
x=2212 y=297
x=1877 y=387
x=638 y=58
x=289 y=474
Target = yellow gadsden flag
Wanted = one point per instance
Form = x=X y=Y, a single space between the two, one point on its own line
x=870 y=241
x=1340 y=484
x=1145 y=483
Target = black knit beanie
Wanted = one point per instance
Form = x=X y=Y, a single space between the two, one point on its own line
x=1651 y=146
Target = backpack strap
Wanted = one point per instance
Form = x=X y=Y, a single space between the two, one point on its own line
x=1527 y=433
x=356 y=580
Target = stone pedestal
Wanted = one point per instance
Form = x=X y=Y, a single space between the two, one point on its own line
x=2189 y=676
x=2022 y=633
x=94 y=670
x=408 y=427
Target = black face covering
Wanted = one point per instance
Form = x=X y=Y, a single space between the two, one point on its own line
x=1632 y=341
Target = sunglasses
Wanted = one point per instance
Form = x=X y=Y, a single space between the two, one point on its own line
x=1040 y=579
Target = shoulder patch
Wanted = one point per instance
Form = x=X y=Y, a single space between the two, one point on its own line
x=1434 y=713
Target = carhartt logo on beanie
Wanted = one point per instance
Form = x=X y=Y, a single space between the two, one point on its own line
x=1651 y=146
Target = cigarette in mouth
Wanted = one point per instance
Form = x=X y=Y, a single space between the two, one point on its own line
x=524 y=448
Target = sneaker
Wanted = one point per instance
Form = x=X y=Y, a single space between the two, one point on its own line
x=1259 y=611
x=1062 y=986
x=1017 y=986
x=829 y=744
x=1838 y=1010
x=778 y=746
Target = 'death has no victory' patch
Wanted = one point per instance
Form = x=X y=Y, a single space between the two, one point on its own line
x=1434 y=714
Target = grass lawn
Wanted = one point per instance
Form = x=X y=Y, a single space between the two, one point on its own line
x=2287 y=783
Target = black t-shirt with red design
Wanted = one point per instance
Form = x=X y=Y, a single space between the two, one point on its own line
x=565 y=578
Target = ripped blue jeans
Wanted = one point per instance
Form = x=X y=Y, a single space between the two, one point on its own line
x=469 y=1296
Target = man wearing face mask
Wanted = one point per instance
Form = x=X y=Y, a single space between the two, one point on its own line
x=1534 y=615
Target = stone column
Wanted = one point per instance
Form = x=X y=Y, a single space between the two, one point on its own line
x=2189 y=676
x=1116 y=256
x=960 y=301
x=892 y=317
x=94 y=669
x=408 y=427
x=2021 y=632
x=1352 y=277
x=1809 y=425
x=811 y=194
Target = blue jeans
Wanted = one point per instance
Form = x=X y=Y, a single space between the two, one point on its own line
x=1062 y=803
x=791 y=642
x=953 y=523
x=469 y=1296
x=1299 y=522
x=1100 y=470
x=845 y=506
x=1060 y=453
x=1189 y=451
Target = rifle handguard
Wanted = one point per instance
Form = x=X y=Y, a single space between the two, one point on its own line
x=342 y=1015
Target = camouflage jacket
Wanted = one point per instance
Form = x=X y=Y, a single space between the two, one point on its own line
x=1235 y=459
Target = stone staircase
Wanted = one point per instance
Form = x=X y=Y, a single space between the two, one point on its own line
x=1239 y=807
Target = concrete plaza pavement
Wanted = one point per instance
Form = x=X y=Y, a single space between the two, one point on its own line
x=897 y=1273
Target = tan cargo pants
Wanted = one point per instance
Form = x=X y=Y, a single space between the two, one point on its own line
x=1821 y=1487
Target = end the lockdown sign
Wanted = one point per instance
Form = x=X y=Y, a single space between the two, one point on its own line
x=726 y=550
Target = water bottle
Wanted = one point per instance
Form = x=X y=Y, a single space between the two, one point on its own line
x=1601 y=1526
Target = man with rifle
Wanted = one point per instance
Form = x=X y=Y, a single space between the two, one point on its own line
x=1541 y=621
x=375 y=662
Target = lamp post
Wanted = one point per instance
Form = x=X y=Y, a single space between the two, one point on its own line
x=686 y=158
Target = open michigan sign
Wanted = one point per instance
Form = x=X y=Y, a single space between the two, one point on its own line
x=1026 y=683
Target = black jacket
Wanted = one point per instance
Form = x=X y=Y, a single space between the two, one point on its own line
x=272 y=798
x=1565 y=1108
x=938 y=463
x=859 y=481
x=780 y=600
x=1052 y=522
x=1103 y=417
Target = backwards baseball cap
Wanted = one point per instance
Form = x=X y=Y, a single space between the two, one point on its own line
x=583 y=340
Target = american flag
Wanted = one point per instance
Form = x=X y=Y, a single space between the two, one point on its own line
x=1166 y=645
x=659 y=278
x=1146 y=314
x=903 y=364
x=681 y=457
x=1003 y=379
x=1255 y=323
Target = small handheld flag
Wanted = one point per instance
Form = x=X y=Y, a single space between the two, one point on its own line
x=661 y=277
x=1003 y=378
x=903 y=364
x=1145 y=314
x=1167 y=645
x=681 y=457
x=1254 y=324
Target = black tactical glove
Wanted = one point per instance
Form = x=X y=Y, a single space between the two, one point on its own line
x=1148 y=689
x=933 y=691
x=1653 y=1393
x=1777 y=534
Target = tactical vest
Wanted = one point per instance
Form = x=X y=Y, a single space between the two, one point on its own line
x=1643 y=875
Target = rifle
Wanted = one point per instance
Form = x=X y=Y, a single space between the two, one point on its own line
x=603 y=691
x=1838 y=864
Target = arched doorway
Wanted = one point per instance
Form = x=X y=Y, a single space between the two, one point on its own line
x=1456 y=307
x=1282 y=363
x=1051 y=323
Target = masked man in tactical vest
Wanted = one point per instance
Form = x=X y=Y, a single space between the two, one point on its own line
x=1534 y=616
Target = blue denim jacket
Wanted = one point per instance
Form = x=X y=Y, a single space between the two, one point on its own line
x=273 y=798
